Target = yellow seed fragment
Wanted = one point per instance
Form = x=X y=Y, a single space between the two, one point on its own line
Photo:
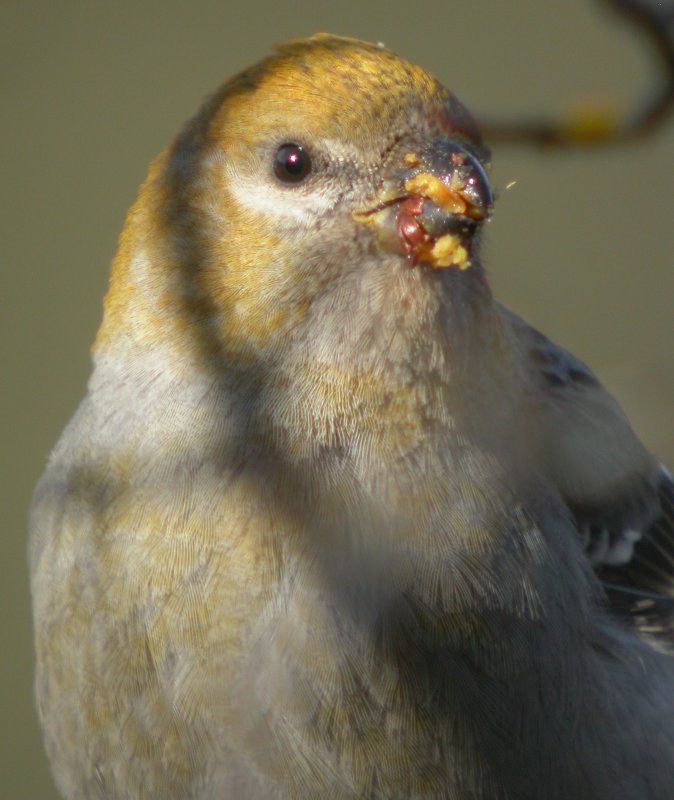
x=427 y=185
x=447 y=251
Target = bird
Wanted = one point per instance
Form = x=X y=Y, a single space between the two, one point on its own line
x=330 y=521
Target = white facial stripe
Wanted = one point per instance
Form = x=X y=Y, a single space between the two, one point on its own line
x=263 y=196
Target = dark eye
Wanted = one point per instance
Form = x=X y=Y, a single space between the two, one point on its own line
x=291 y=163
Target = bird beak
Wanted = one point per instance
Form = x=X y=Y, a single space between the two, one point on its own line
x=431 y=210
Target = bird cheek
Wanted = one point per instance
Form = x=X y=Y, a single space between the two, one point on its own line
x=247 y=277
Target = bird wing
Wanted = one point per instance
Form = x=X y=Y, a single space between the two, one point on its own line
x=621 y=497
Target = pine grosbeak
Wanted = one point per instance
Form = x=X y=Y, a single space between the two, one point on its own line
x=330 y=522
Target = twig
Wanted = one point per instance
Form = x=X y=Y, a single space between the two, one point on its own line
x=594 y=126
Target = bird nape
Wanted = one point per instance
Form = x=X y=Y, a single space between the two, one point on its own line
x=330 y=521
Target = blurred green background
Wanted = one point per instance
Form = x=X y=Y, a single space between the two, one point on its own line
x=582 y=246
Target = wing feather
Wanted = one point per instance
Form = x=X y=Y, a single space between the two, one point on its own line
x=621 y=497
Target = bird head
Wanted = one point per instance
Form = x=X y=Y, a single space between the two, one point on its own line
x=322 y=196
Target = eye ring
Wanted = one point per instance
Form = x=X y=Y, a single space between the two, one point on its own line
x=292 y=163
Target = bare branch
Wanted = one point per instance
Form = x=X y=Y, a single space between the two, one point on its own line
x=592 y=126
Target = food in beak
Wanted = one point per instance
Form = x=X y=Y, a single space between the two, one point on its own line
x=436 y=207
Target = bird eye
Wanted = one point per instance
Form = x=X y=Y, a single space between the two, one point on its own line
x=291 y=163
